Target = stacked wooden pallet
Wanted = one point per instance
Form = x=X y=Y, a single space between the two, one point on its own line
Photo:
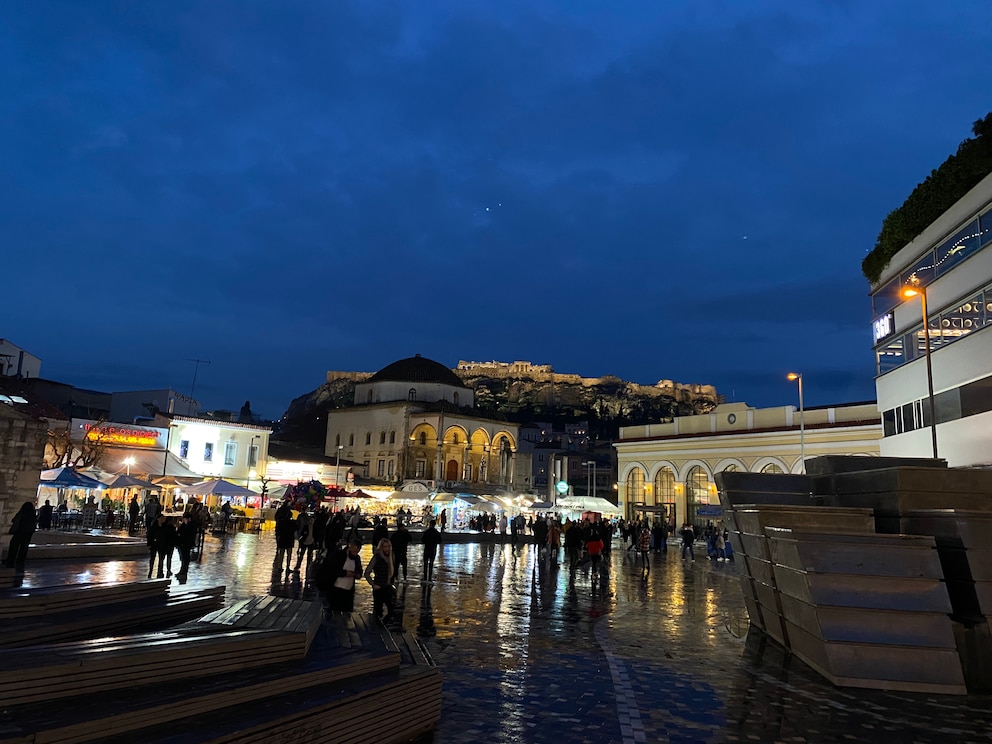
x=867 y=610
x=47 y=600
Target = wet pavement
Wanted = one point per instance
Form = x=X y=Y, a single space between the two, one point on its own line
x=535 y=653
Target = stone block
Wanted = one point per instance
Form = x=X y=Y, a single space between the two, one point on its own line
x=880 y=666
x=868 y=554
x=870 y=592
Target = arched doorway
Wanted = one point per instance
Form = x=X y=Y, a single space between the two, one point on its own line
x=664 y=496
x=697 y=492
x=451 y=470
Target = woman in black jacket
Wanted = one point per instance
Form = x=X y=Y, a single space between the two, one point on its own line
x=379 y=573
x=22 y=527
x=336 y=576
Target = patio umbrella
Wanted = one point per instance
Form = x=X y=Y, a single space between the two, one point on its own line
x=129 y=481
x=219 y=487
x=68 y=478
x=168 y=481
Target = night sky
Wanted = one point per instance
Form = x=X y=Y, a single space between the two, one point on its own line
x=653 y=190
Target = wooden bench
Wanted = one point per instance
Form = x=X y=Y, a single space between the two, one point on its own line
x=34 y=602
x=154 y=612
x=346 y=678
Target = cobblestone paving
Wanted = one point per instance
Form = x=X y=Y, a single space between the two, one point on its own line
x=533 y=653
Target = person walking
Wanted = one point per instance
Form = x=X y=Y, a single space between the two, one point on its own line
x=304 y=538
x=431 y=539
x=185 y=540
x=22 y=528
x=335 y=532
x=659 y=537
x=644 y=548
x=285 y=536
x=380 y=573
x=573 y=544
x=401 y=540
x=594 y=546
x=553 y=540
x=133 y=512
x=336 y=576
x=444 y=519
x=688 y=536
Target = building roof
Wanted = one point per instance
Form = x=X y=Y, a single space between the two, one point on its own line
x=417 y=369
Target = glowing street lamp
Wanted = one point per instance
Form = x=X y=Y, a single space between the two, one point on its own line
x=129 y=462
x=907 y=293
x=802 y=423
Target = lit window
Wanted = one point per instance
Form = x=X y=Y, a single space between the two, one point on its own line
x=208 y=452
x=184 y=448
x=230 y=452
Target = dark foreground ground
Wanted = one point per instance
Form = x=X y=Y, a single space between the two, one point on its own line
x=531 y=653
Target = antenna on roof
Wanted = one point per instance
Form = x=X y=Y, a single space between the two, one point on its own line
x=196 y=367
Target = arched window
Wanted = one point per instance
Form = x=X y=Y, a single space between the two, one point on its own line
x=731 y=468
x=771 y=468
x=454 y=398
x=337 y=440
x=411 y=394
x=368 y=437
x=454 y=438
x=697 y=491
x=423 y=439
x=392 y=437
x=635 y=486
x=664 y=485
x=382 y=437
x=370 y=396
x=351 y=440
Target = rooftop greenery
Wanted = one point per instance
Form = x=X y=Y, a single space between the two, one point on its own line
x=930 y=199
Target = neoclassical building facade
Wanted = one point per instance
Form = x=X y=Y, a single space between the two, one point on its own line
x=413 y=421
x=667 y=470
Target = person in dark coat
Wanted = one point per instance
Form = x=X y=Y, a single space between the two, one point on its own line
x=22 y=527
x=380 y=530
x=335 y=532
x=163 y=543
x=431 y=539
x=401 y=540
x=45 y=516
x=336 y=576
x=185 y=540
x=381 y=574
x=285 y=536
x=133 y=512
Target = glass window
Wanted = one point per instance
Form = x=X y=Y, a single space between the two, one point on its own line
x=454 y=398
x=962 y=320
x=922 y=273
x=370 y=396
x=389 y=469
x=184 y=448
x=635 y=486
x=421 y=468
x=411 y=394
x=392 y=437
x=908 y=419
x=889 y=423
x=380 y=468
x=976 y=397
x=351 y=440
x=230 y=451
x=664 y=484
x=423 y=439
x=947 y=405
x=891 y=355
x=771 y=468
x=886 y=298
x=957 y=248
x=382 y=437
x=208 y=452
x=253 y=455
x=368 y=437
x=696 y=491
x=337 y=440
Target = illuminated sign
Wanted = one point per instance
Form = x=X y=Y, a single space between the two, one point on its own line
x=127 y=436
x=883 y=327
x=562 y=487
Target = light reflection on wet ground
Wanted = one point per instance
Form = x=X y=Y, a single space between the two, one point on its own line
x=531 y=653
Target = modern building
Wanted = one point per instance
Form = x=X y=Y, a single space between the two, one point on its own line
x=16 y=362
x=950 y=265
x=667 y=470
x=413 y=425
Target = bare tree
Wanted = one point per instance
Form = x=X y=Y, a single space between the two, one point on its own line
x=62 y=451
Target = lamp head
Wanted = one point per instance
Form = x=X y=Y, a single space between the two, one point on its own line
x=908 y=292
x=794 y=376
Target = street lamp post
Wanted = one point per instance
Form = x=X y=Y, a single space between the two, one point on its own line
x=129 y=462
x=592 y=489
x=908 y=292
x=337 y=467
x=802 y=422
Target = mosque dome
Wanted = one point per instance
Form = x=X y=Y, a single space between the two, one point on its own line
x=417 y=369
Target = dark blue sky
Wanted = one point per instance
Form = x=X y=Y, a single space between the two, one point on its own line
x=653 y=190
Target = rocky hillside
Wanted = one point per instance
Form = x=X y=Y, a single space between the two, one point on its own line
x=606 y=403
